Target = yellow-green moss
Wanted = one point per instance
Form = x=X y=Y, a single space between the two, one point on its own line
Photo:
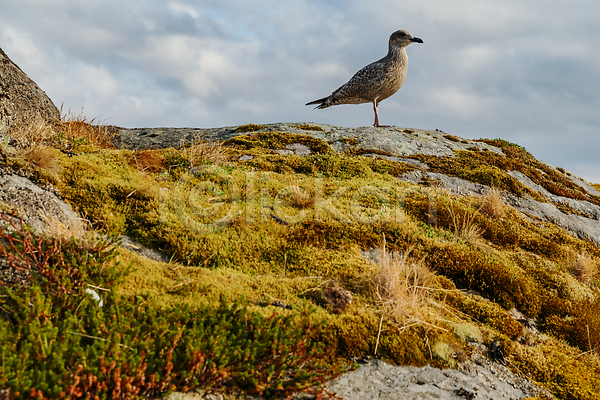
x=261 y=256
x=492 y=169
x=109 y=192
x=278 y=141
x=309 y=127
x=486 y=312
x=567 y=373
x=348 y=141
x=329 y=165
x=249 y=128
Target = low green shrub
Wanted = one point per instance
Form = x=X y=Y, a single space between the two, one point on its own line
x=56 y=341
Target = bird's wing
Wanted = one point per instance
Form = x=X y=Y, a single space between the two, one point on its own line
x=360 y=84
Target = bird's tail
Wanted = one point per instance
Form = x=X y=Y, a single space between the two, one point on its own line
x=320 y=102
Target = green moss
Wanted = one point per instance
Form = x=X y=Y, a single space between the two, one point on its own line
x=261 y=253
x=456 y=139
x=508 y=147
x=328 y=165
x=565 y=372
x=349 y=141
x=278 y=141
x=581 y=328
x=486 y=312
x=491 y=169
x=309 y=127
x=109 y=192
x=249 y=128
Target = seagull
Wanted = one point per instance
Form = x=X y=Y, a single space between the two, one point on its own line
x=377 y=81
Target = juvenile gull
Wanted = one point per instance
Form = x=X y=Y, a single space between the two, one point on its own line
x=376 y=81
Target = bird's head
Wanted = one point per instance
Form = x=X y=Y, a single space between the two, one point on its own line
x=403 y=39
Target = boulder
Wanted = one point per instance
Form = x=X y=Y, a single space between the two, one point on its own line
x=21 y=100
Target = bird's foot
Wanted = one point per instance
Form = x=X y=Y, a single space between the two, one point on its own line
x=381 y=126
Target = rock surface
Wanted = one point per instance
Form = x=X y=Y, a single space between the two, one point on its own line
x=21 y=100
x=476 y=379
x=32 y=203
x=397 y=143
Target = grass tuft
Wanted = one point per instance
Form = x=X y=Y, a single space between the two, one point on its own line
x=201 y=152
x=402 y=287
x=584 y=268
x=40 y=156
x=38 y=131
x=76 y=129
x=493 y=204
x=464 y=222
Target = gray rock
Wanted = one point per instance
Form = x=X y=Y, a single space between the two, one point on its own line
x=586 y=186
x=455 y=186
x=299 y=149
x=478 y=377
x=582 y=227
x=31 y=201
x=129 y=244
x=397 y=141
x=284 y=152
x=21 y=100
x=582 y=206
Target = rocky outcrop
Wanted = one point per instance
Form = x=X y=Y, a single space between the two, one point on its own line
x=397 y=144
x=477 y=378
x=21 y=100
x=586 y=225
x=393 y=140
x=479 y=375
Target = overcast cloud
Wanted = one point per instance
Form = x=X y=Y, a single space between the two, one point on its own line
x=525 y=71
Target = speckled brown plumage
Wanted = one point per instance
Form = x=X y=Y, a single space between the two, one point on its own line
x=377 y=81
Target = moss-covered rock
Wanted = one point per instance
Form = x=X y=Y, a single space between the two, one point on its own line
x=277 y=229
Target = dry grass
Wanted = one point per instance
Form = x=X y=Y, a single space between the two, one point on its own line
x=584 y=268
x=402 y=287
x=77 y=129
x=79 y=230
x=463 y=222
x=37 y=132
x=492 y=203
x=72 y=130
x=148 y=161
x=201 y=151
x=299 y=197
x=41 y=156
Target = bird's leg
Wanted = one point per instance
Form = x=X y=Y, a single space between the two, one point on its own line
x=376 y=109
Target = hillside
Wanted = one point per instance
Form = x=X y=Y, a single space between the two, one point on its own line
x=266 y=259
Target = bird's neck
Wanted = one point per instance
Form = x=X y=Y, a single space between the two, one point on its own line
x=396 y=53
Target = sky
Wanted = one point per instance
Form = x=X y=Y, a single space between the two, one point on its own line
x=527 y=71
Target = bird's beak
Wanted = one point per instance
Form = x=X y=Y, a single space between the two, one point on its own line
x=417 y=40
